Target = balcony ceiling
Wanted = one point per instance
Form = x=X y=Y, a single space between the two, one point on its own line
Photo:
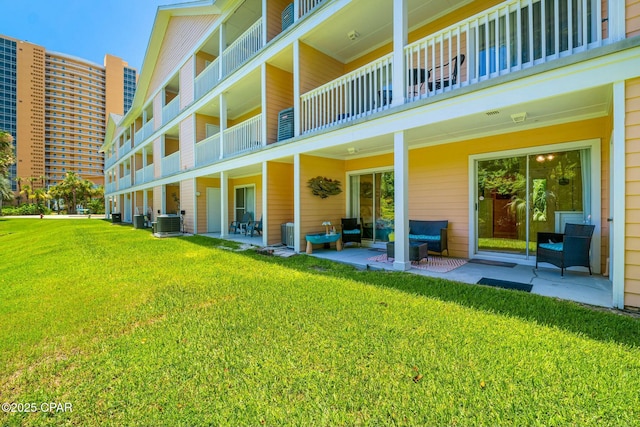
x=371 y=19
x=595 y=102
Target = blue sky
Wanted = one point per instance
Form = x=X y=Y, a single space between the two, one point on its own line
x=88 y=29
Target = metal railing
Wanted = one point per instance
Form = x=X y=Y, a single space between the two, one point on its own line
x=359 y=93
x=208 y=150
x=171 y=163
x=171 y=110
x=243 y=137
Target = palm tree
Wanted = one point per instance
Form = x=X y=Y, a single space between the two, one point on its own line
x=5 y=191
x=19 y=184
x=27 y=191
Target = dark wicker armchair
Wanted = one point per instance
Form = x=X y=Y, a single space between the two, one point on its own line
x=566 y=250
x=351 y=231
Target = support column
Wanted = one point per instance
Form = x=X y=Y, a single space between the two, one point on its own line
x=221 y=48
x=617 y=193
x=296 y=86
x=297 y=215
x=400 y=22
x=224 y=205
x=617 y=25
x=263 y=95
x=223 y=122
x=265 y=210
x=401 y=202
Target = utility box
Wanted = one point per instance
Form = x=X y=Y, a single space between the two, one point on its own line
x=138 y=221
x=288 y=234
x=116 y=218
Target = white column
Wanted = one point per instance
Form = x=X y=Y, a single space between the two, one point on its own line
x=617 y=20
x=400 y=23
x=401 y=203
x=296 y=86
x=265 y=22
x=265 y=210
x=618 y=191
x=297 y=216
x=223 y=122
x=221 y=48
x=296 y=10
x=195 y=207
x=224 y=204
x=263 y=95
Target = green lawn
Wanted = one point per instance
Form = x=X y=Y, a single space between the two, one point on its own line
x=132 y=330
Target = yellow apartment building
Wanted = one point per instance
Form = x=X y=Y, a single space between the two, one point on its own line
x=504 y=117
x=55 y=106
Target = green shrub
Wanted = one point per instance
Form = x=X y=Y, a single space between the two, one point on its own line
x=25 y=209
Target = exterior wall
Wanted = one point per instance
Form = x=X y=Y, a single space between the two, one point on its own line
x=445 y=168
x=157 y=111
x=173 y=198
x=157 y=157
x=114 y=84
x=274 y=17
x=244 y=117
x=633 y=18
x=381 y=161
x=187 y=143
x=256 y=181
x=183 y=32
x=201 y=58
x=201 y=125
x=201 y=201
x=187 y=204
x=632 y=224
x=279 y=87
x=186 y=83
x=316 y=68
x=314 y=210
x=30 y=111
x=279 y=198
x=157 y=201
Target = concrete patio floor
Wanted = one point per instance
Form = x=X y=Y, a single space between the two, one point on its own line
x=576 y=285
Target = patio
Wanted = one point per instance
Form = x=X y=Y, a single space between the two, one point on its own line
x=574 y=286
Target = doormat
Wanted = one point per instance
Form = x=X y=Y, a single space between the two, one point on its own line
x=494 y=263
x=505 y=284
x=434 y=264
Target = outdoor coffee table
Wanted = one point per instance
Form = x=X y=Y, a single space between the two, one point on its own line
x=316 y=239
x=417 y=250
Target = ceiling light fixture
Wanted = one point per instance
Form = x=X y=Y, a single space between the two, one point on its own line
x=519 y=117
x=353 y=34
x=352 y=150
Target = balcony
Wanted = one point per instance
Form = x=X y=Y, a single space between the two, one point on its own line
x=110 y=187
x=208 y=150
x=501 y=40
x=139 y=177
x=123 y=150
x=243 y=137
x=208 y=78
x=148 y=173
x=171 y=164
x=109 y=161
x=124 y=182
x=171 y=110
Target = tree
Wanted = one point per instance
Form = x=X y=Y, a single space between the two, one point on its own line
x=73 y=190
x=7 y=156
x=27 y=192
x=5 y=191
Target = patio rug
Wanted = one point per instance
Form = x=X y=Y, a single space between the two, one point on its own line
x=505 y=284
x=433 y=263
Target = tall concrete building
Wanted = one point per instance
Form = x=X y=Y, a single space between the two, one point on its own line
x=55 y=106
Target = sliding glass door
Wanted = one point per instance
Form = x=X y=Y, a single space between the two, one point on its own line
x=371 y=200
x=517 y=197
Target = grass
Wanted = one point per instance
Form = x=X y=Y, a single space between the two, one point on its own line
x=511 y=245
x=133 y=330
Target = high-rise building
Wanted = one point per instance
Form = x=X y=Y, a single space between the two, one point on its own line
x=55 y=106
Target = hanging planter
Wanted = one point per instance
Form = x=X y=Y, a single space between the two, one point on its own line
x=324 y=187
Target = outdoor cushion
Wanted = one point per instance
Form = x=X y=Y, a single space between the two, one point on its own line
x=424 y=237
x=552 y=246
x=356 y=231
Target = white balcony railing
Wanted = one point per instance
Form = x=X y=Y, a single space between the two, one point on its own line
x=148 y=173
x=171 y=110
x=208 y=150
x=110 y=187
x=500 y=40
x=109 y=161
x=171 y=164
x=147 y=129
x=123 y=150
x=306 y=6
x=124 y=182
x=243 y=137
x=138 y=137
x=243 y=48
x=139 y=177
x=359 y=93
x=208 y=78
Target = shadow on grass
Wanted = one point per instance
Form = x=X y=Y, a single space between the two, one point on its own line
x=599 y=324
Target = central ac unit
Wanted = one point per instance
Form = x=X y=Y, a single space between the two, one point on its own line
x=287 y=234
x=285 y=124
x=287 y=16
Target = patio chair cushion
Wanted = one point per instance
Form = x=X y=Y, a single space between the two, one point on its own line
x=424 y=237
x=356 y=231
x=553 y=246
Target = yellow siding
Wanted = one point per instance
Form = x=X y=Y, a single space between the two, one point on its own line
x=187 y=197
x=633 y=18
x=279 y=198
x=316 y=68
x=138 y=203
x=243 y=117
x=187 y=143
x=632 y=238
x=201 y=61
x=201 y=125
x=279 y=97
x=183 y=32
x=274 y=17
x=381 y=161
x=445 y=169
x=172 y=191
x=171 y=145
x=314 y=210
x=201 y=186
x=186 y=84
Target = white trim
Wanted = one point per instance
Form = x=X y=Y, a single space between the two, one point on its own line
x=596 y=208
x=618 y=192
x=224 y=204
x=617 y=20
x=297 y=215
x=235 y=187
x=265 y=217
